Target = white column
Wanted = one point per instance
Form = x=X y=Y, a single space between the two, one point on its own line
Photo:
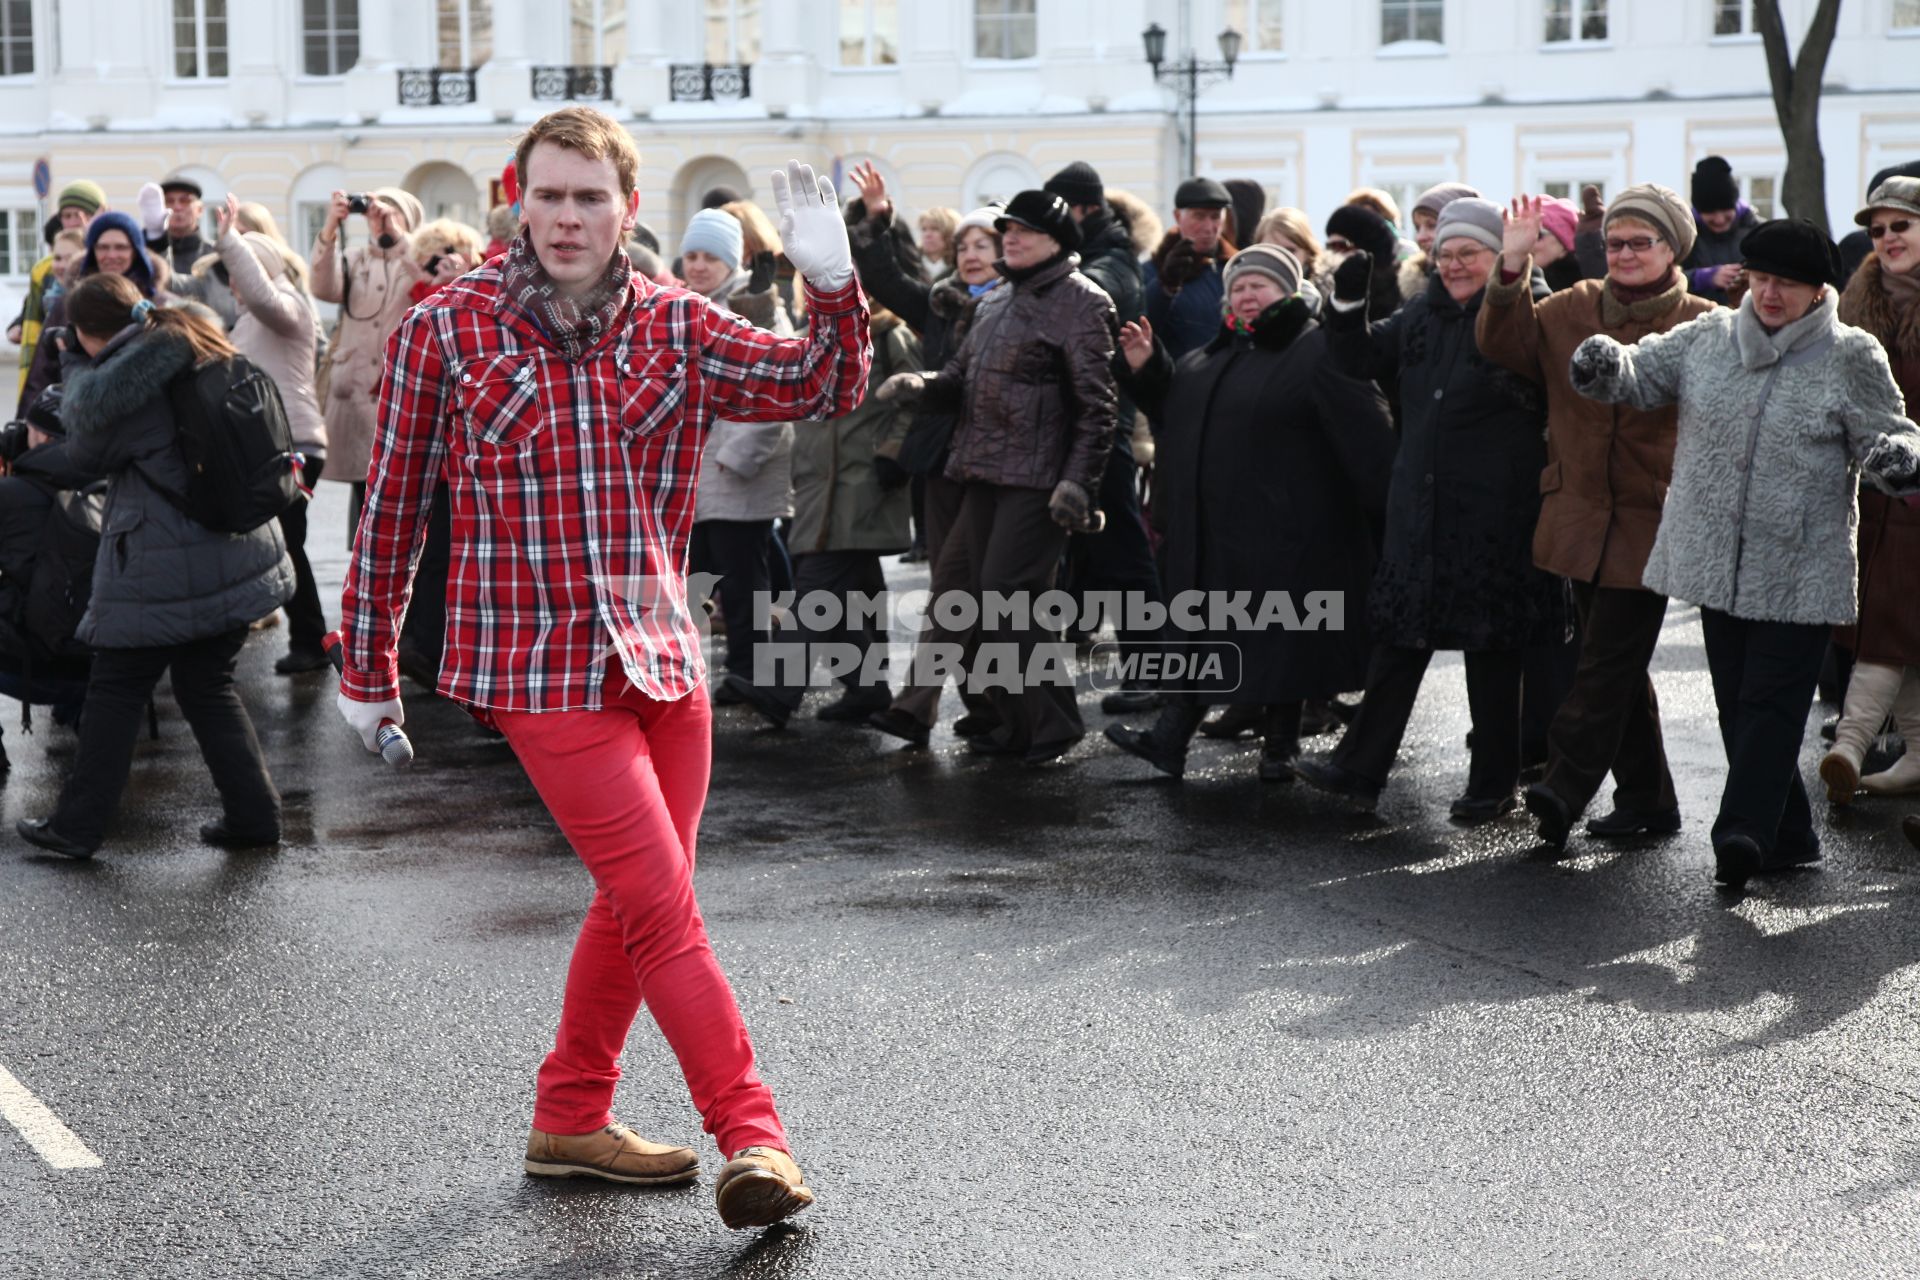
x=503 y=84
x=640 y=81
x=372 y=86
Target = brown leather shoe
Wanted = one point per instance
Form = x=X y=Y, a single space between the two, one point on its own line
x=759 y=1187
x=615 y=1153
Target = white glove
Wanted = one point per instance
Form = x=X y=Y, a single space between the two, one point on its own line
x=152 y=203
x=365 y=717
x=811 y=225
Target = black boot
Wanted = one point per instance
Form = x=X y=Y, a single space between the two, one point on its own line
x=1164 y=745
x=1280 y=745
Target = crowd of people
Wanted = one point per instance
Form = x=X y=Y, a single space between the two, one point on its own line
x=1510 y=429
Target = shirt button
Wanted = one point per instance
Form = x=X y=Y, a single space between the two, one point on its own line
x=466 y=377
x=1437 y=393
x=588 y=484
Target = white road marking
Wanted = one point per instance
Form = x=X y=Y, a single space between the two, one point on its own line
x=58 y=1145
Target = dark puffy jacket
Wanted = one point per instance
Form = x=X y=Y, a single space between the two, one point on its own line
x=1034 y=383
x=161 y=579
x=1189 y=319
x=1108 y=259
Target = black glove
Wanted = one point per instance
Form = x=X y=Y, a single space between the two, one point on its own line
x=1181 y=266
x=58 y=336
x=891 y=474
x=1069 y=506
x=1593 y=211
x=1593 y=360
x=760 y=278
x=1894 y=461
x=1351 y=277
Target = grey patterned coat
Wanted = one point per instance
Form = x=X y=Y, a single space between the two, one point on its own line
x=1760 y=518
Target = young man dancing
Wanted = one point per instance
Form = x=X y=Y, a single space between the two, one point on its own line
x=566 y=400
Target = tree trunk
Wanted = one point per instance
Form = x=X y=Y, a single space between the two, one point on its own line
x=1796 y=104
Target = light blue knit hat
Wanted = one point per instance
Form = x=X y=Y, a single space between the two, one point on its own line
x=712 y=231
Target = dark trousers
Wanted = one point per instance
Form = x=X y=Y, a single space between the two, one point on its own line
x=306 y=618
x=117 y=693
x=738 y=551
x=1764 y=675
x=1119 y=557
x=1393 y=683
x=1008 y=543
x=843 y=574
x=922 y=701
x=423 y=633
x=1610 y=719
x=1279 y=722
x=1547 y=675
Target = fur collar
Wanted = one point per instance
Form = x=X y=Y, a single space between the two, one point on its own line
x=1615 y=314
x=124 y=380
x=1867 y=305
x=1760 y=349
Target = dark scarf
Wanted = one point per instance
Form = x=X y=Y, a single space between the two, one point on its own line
x=1019 y=275
x=1642 y=303
x=574 y=324
x=1271 y=330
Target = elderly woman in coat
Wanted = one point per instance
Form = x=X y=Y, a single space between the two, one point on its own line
x=1274 y=474
x=1456 y=568
x=276 y=329
x=1781 y=408
x=168 y=594
x=1608 y=467
x=374 y=287
x=1883 y=297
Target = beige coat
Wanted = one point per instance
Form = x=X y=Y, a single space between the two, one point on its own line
x=275 y=330
x=382 y=281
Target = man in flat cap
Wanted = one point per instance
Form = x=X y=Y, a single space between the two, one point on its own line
x=1183 y=283
x=179 y=241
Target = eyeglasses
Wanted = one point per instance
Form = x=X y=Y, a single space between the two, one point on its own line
x=1639 y=244
x=1339 y=244
x=1899 y=228
x=1459 y=257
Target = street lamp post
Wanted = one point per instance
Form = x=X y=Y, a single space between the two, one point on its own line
x=1187 y=76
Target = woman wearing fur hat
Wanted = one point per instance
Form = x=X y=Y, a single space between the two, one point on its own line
x=374 y=287
x=1273 y=475
x=1884 y=299
x=1781 y=408
x=1456 y=569
x=275 y=330
x=1608 y=467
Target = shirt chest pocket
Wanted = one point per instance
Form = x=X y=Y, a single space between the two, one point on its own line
x=499 y=398
x=652 y=390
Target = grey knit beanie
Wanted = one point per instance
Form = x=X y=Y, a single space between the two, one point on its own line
x=1472 y=218
x=1659 y=207
x=1268 y=260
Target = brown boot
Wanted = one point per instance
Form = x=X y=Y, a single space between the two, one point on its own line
x=615 y=1153
x=759 y=1187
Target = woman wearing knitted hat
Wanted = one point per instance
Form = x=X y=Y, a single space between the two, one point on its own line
x=1273 y=478
x=1781 y=408
x=746 y=468
x=1456 y=569
x=1721 y=220
x=1884 y=299
x=1607 y=467
x=115 y=247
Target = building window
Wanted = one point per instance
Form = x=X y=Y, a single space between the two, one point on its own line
x=1570 y=189
x=1576 y=21
x=1733 y=18
x=598 y=32
x=331 y=31
x=869 y=33
x=1906 y=15
x=466 y=32
x=733 y=32
x=1258 y=21
x=16 y=37
x=1761 y=193
x=200 y=39
x=1006 y=30
x=19 y=241
x=1403 y=20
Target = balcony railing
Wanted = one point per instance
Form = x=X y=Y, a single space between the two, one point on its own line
x=436 y=86
x=573 y=84
x=708 y=82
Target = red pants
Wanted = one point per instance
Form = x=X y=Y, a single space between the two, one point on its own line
x=626 y=784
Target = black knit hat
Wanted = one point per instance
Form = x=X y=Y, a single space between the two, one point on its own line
x=1078 y=183
x=1713 y=186
x=1792 y=248
x=1044 y=212
x=1364 y=229
x=44 y=412
x=1202 y=193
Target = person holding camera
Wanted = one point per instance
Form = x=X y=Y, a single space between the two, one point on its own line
x=374 y=287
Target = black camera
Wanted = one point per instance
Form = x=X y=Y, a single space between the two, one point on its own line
x=433 y=263
x=359 y=204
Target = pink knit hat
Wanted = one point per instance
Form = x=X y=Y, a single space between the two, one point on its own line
x=1558 y=216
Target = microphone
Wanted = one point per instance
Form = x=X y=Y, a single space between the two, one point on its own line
x=395 y=749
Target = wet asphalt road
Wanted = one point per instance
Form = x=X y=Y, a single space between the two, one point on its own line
x=1074 y=1022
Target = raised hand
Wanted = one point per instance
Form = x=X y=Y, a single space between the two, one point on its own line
x=1136 y=343
x=1522 y=222
x=226 y=215
x=873 y=190
x=811 y=225
x=1352 y=277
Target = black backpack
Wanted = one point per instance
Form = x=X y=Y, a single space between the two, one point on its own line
x=242 y=470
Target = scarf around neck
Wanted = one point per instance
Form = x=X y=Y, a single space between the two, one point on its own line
x=574 y=324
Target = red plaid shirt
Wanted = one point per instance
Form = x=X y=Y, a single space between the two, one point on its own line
x=572 y=486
